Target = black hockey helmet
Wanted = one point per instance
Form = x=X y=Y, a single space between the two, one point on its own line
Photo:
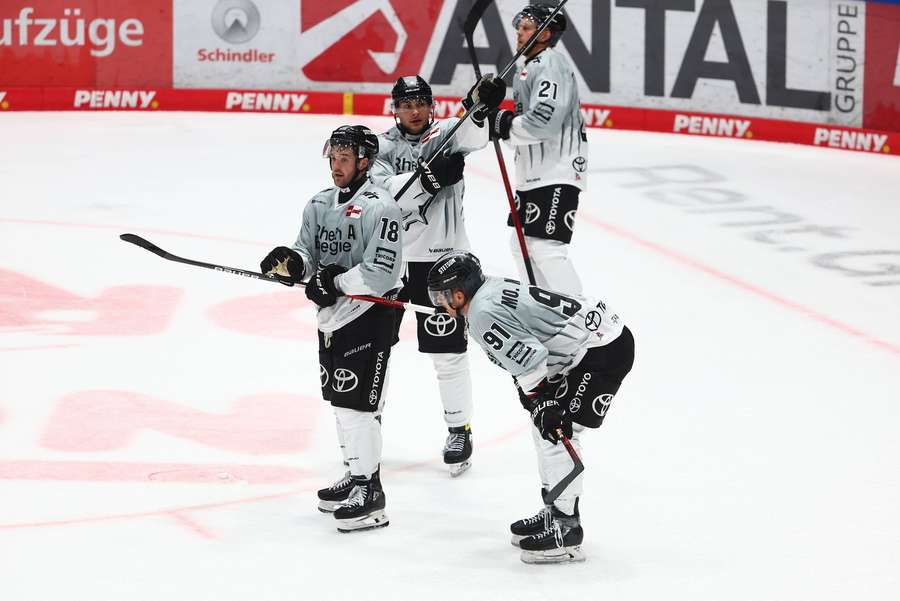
x=359 y=138
x=538 y=13
x=411 y=86
x=455 y=270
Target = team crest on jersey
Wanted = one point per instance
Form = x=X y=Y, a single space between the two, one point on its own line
x=353 y=212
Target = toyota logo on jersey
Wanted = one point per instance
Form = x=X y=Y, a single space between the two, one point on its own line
x=592 y=321
x=344 y=380
x=440 y=324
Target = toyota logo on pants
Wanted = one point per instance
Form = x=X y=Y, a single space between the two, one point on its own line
x=601 y=404
x=344 y=380
x=440 y=324
x=532 y=212
x=323 y=375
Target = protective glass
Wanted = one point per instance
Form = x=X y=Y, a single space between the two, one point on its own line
x=412 y=103
x=332 y=145
x=439 y=298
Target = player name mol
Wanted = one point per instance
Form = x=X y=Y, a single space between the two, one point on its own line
x=266 y=101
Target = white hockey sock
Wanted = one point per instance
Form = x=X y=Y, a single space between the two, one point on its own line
x=553 y=269
x=340 y=436
x=362 y=434
x=455 y=384
x=554 y=463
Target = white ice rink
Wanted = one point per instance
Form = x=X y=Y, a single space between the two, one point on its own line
x=161 y=436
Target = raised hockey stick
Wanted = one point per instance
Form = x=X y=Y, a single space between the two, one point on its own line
x=557 y=490
x=469 y=29
x=512 y=63
x=147 y=245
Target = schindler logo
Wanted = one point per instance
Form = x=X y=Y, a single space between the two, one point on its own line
x=235 y=21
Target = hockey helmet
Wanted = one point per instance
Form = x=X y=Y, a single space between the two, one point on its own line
x=455 y=270
x=538 y=13
x=409 y=87
x=359 y=138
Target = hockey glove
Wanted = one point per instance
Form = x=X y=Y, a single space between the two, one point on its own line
x=488 y=90
x=285 y=264
x=499 y=123
x=444 y=171
x=547 y=415
x=321 y=288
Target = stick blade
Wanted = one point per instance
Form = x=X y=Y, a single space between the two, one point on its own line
x=146 y=244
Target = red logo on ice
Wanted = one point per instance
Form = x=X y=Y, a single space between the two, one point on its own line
x=365 y=40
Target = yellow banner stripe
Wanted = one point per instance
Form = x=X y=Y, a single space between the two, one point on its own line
x=348 y=103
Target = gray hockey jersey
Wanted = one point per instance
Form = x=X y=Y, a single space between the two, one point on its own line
x=432 y=225
x=548 y=131
x=361 y=234
x=534 y=333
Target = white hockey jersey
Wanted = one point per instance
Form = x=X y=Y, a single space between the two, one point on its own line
x=534 y=333
x=548 y=130
x=432 y=225
x=361 y=234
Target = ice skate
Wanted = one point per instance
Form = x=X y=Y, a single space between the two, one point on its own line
x=364 y=510
x=560 y=542
x=332 y=497
x=458 y=450
x=529 y=526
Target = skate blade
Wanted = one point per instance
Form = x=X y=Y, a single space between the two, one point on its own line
x=515 y=539
x=377 y=519
x=572 y=554
x=457 y=469
x=329 y=506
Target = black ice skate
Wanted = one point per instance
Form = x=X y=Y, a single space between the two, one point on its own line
x=364 y=510
x=335 y=495
x=529 y=526
x=458 y=450
x=558 y=543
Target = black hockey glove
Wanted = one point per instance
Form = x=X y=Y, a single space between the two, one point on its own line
x=444 y=171
x=489 y=90
x=547 y=415
x=321 y=288
x=499 y=123
x=285 y=264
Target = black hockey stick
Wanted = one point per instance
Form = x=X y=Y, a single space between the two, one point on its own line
x=469 y=29
x=512 y=63
x=147 y=245
x=563 y=484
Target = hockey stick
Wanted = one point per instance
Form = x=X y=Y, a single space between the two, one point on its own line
x=469 y=29
x=512 y=63
x=563 y=484
x=147 y=245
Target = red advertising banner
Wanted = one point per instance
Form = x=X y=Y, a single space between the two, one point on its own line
x=882 y=87
x=94 y=43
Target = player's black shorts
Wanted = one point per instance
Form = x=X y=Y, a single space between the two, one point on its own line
x=437 y=333
x=353 y=360
x=547 y=212
x=587 y=391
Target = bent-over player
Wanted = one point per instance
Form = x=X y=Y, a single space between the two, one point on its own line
x=568 y=356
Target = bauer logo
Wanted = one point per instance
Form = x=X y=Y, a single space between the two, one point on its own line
x=712 y=126
x=851 y=140
x=235 y=21
x=266 y=101
x=115 y=99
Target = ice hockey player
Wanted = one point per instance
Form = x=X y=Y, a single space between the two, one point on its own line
x=551 y=152
x=568 y=356
x=433 y=223
x=349 y=243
